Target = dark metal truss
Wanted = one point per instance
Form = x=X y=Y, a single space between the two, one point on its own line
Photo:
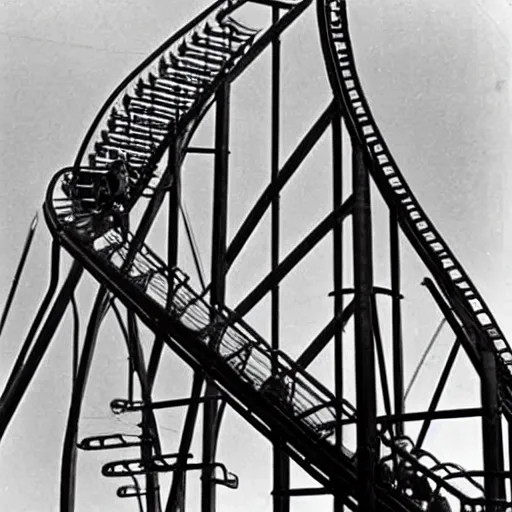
x=233 y=366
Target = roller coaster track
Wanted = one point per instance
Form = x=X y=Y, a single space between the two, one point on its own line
x=462 y=294
x=157 y=110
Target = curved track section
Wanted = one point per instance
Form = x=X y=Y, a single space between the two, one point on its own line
x=419 y=229
x=155 y=107
x=476 y=319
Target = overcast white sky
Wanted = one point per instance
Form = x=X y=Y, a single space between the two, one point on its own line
x=437 y=75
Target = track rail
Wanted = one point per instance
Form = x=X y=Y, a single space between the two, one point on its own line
x=478 y=324
x=448 y=272
x=158 y=105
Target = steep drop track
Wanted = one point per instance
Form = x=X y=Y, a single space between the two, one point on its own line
x=433 y=250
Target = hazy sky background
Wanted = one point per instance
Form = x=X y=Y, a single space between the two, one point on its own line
x=437 y=75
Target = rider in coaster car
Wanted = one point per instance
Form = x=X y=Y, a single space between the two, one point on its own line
x=439 y=504
x=276 y=391
x=113 y=186
x=68 y=186
x=113 y=193
x=384 y=473
x=417 y=484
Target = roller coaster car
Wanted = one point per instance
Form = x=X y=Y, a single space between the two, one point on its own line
x=276 y=391
x=416 y=485
x=439 y=504
x=111 y=195
x=384 y=473
x=91 y=227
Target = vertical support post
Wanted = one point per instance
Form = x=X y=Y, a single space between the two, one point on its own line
x=337 y=254
x=364 y=346
x=147 y=425
x=509 y=425
x=491 y=428
x=174 y=209
x=280 y=461
x=176 y=501
x=174 y=198
x=220 y=197
x=218 y=285
x=69 y=450
x=396 y=314
x=174 y=170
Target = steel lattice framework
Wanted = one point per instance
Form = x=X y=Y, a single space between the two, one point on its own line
x=145 y=128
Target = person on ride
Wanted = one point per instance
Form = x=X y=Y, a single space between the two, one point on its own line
x=276 y=391
x=117 y=178
x=113 y=195
x=113 y=186
x=417 y=484
x=439 y=504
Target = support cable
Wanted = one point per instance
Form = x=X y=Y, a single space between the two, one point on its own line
x=424 y=356
x=136 y=363
x=19 y=271
x=193 y=245
x=381 y=358
x=76 y=335
x=173 y=189
x=138 y=493
x=434 y=402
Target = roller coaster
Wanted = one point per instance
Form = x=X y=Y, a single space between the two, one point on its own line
x=104 y=211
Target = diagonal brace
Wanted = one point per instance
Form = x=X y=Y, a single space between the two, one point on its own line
x=273 y=189
x=294 y=257
x=325 y=335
